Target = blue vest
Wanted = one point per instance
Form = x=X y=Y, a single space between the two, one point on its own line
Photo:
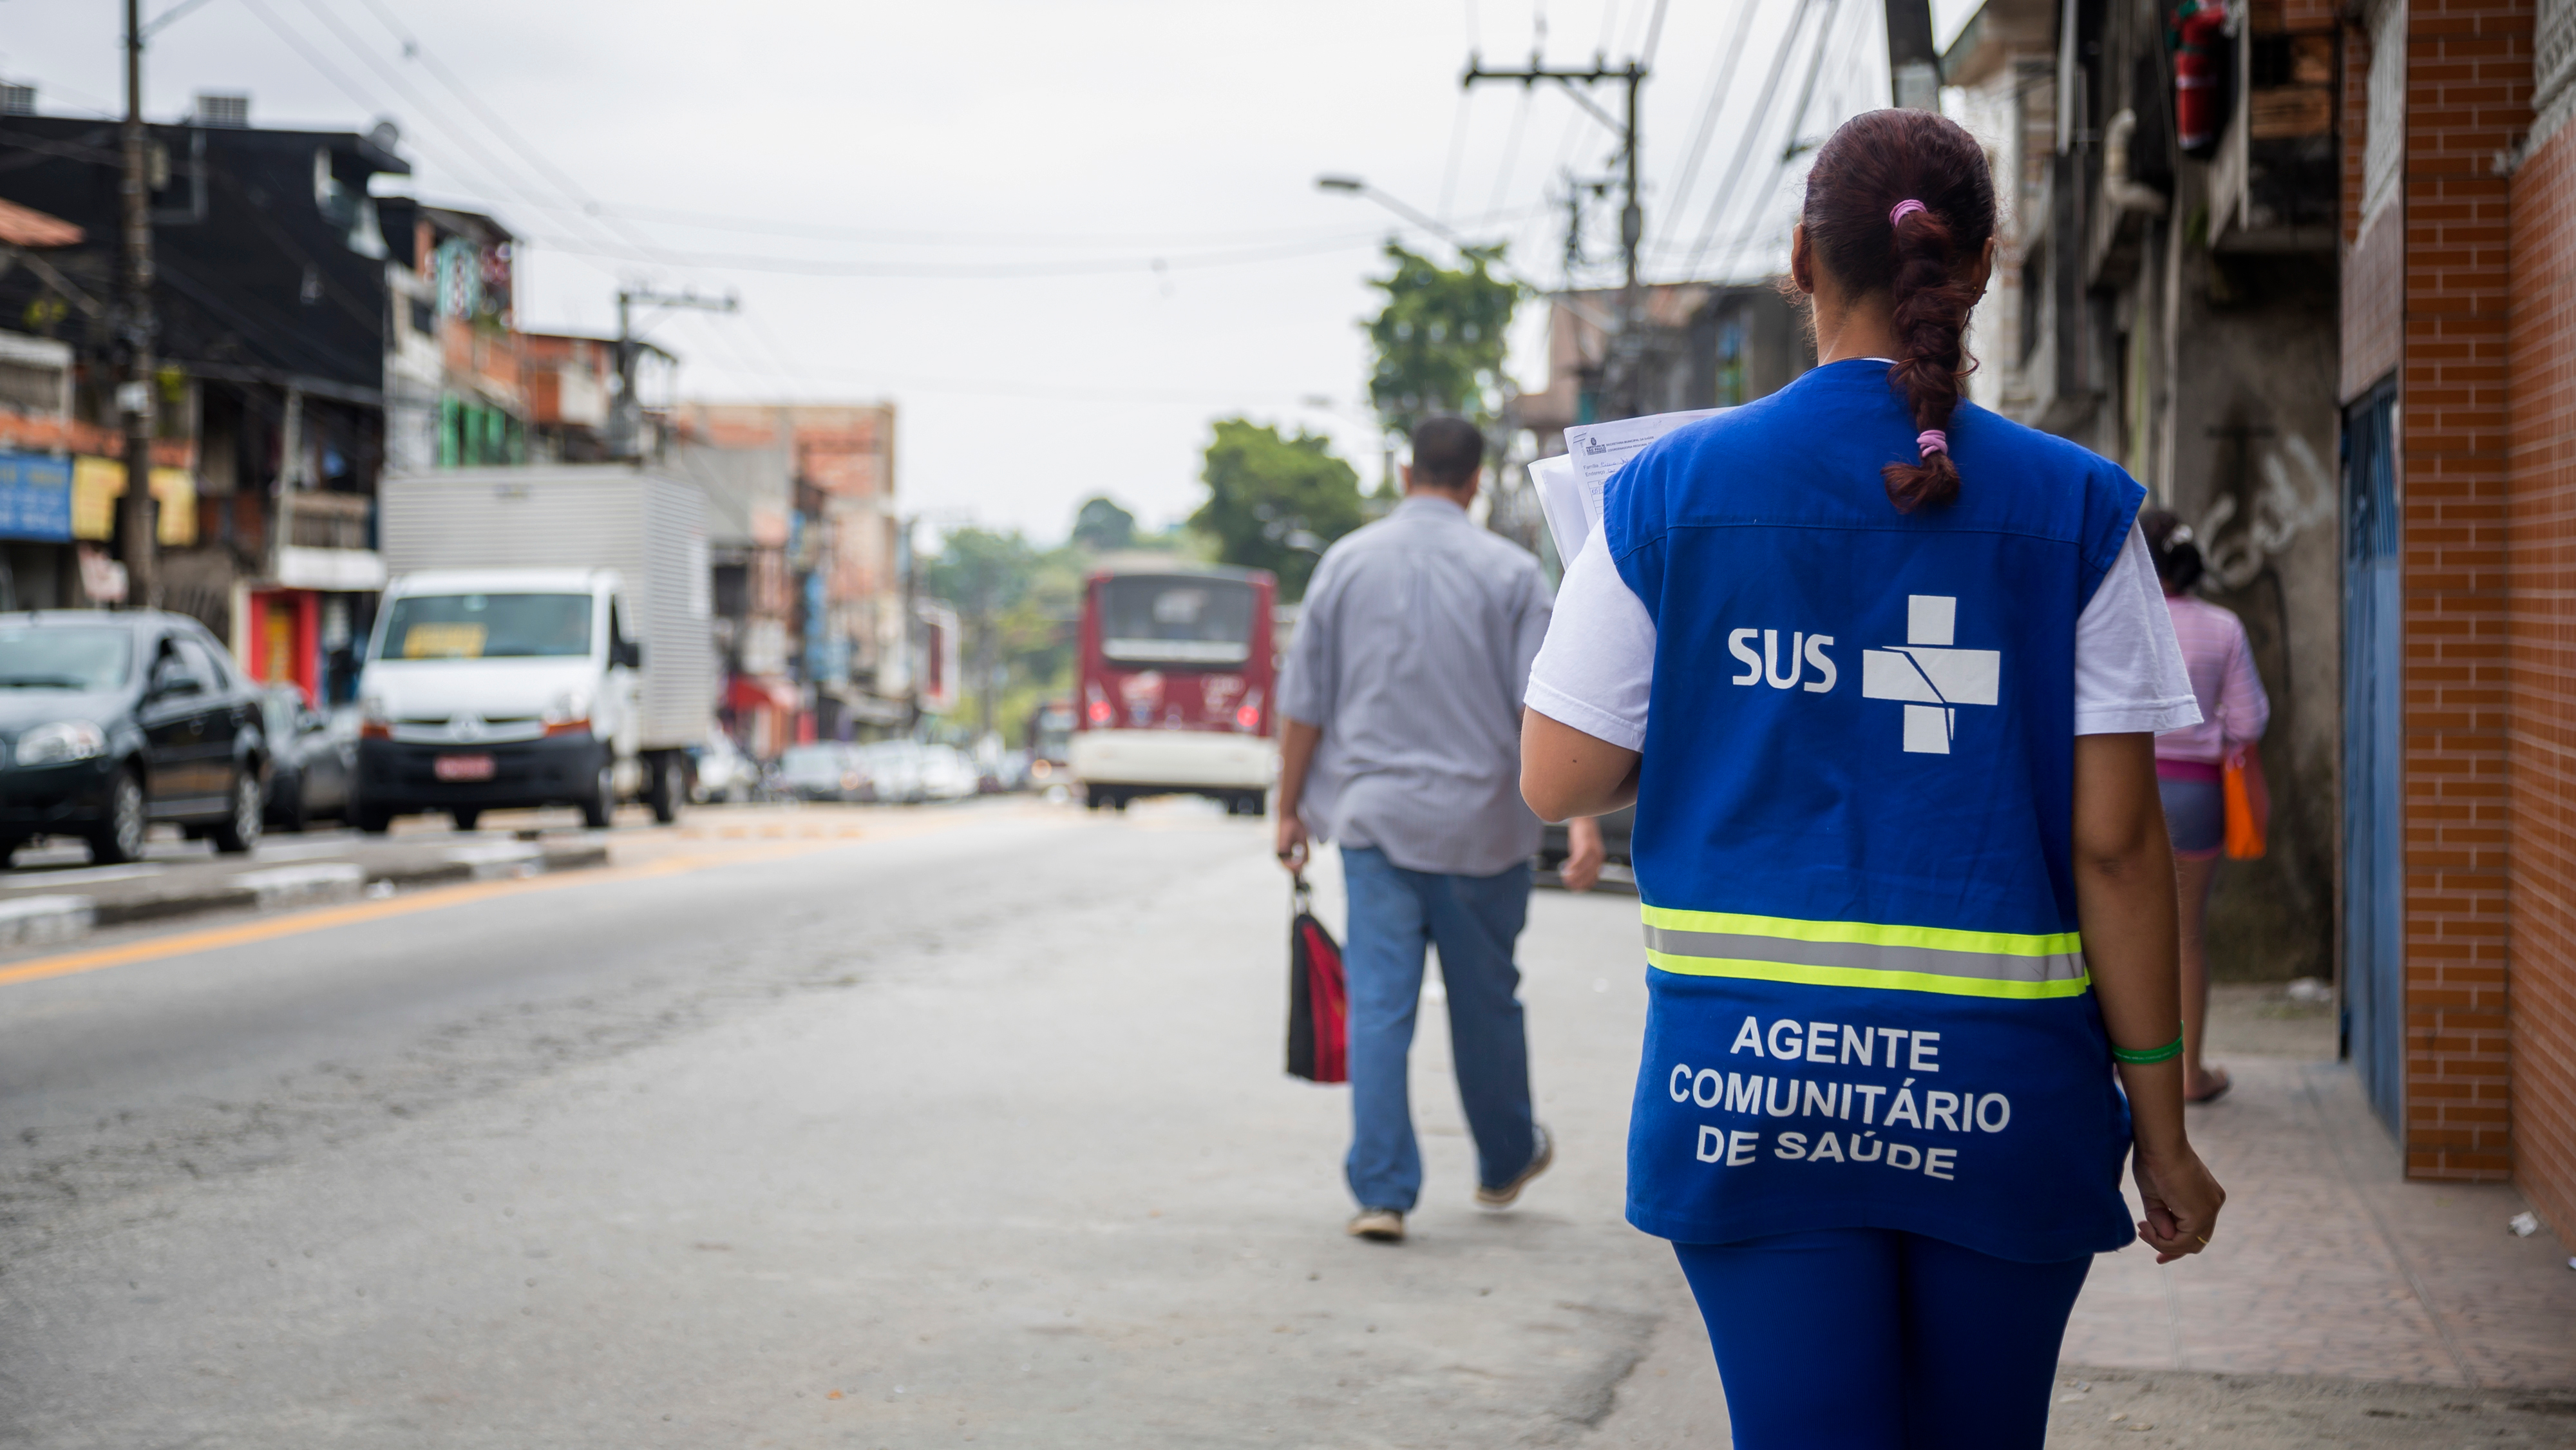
x=1869 y=1002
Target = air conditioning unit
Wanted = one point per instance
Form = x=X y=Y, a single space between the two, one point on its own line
x=230 y=112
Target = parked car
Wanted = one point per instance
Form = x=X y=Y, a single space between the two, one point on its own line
x=893 y=771
x=111 y=721
x=826 y=770
x=948 y=773
x=311 y=760
x=719 y=771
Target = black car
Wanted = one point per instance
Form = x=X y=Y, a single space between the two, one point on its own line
x=310 y=763
x=110 y=721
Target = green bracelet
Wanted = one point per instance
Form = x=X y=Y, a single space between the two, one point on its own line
x=2166 y=1053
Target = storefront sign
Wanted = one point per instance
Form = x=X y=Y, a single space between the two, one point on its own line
x=35 y=497
x=97 y=483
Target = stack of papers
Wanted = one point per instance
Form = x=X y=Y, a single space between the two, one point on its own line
x=1570 y=484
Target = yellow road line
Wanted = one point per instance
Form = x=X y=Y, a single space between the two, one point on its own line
x=357 y=913
x=325 y=918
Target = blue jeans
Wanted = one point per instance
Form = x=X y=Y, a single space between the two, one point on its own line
x=1873 y=1339
x=1474 y=920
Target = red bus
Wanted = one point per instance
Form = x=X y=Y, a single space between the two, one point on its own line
x=1177 y=687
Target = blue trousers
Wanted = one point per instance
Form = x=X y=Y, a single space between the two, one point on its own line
x=1871 y=1339
x=1474 y=920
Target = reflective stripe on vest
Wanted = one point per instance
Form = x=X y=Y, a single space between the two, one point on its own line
x=1866 y=954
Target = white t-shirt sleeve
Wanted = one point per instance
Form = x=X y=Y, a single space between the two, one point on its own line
x=2129 y=674
x=1597 y=667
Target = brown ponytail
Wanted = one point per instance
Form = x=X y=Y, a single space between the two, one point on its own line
x=1920 y=256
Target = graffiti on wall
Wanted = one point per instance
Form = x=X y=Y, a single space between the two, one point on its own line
x=2289 y=491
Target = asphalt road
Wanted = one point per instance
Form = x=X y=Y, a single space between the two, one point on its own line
x=970 y=1129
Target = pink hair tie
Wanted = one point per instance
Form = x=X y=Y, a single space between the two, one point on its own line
x=1931 y=441
x=1904 y=209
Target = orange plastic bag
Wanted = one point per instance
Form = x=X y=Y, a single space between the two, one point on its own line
x=2249 y=805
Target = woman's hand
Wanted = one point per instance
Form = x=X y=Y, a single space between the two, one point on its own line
x=2182 y=1200
x=1584 y=854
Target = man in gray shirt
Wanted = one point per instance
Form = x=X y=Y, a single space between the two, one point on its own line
x=1401 y=708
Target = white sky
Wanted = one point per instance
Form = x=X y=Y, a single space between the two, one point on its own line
x=828 y=161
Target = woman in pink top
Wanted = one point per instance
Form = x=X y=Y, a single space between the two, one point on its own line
x=2189 y=764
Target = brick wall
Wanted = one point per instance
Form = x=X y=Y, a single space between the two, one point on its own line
x=2468 y=92
x=2542 y=567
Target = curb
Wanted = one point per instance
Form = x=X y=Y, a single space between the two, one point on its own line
x=36 y=920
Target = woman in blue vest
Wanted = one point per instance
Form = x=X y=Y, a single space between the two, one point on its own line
x=1882 y=671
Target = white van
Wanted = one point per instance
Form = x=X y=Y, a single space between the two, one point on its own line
x=488 y=689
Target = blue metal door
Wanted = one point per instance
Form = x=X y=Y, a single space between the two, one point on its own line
x=2374 y=739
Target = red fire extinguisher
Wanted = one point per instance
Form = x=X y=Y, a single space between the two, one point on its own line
x=2200 y=56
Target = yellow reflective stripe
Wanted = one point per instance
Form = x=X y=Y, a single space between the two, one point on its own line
x=1865 y=977
x=1869 y=933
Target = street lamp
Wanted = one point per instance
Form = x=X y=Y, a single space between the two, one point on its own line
x=1354 y=186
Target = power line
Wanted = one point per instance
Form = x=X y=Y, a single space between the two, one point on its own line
x=1718 y=90
x=1014 y=240
x=1790 y=147
x=1511 y=151
x=1654 y=35
x=394 y=78
x=296 y=40
x=1457 y=152
x=926 y=271
x=1718 y=204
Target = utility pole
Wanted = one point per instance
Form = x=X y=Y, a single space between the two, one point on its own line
x=134 y=396
x=626 y=416
x=1632 y=213
x=1913 y=61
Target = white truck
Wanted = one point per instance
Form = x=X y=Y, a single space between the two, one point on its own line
x=545 y=640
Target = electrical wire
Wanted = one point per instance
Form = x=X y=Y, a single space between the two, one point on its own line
x=1511 y=151
x=1725 y=66
x=1457 y=151
x=1072 y=267
x=1719 y=204
x=296 y=41
x=1789 y=147
x=458 y=134
x=1645 y=53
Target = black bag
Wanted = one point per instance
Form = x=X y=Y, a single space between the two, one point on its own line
x=1318 y=998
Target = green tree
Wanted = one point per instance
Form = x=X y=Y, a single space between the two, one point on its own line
x=1103 y=525
x=1020 y=606
x=1273 y=502
x=984 y=574
x=1440 y=339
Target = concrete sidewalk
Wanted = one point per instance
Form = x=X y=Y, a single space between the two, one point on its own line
x=2340 y=1305
x=51 y=894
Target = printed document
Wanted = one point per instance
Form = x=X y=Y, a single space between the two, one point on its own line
x=1570 y=484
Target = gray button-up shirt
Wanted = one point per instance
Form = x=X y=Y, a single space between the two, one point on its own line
x=1411 y=654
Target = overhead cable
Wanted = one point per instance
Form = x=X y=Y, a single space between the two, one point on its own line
x=1718 y=204
x=1789 y=146
x=1068 y=267
x=1727 y=61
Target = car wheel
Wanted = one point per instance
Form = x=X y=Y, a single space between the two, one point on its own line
x=291 y=813
x=121 y=839
x=373 y=820
x=239 y=831
x=466 y=819
x=602 y=800
x=664 y=793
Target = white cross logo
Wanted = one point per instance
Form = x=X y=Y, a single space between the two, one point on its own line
x=1929 y=676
